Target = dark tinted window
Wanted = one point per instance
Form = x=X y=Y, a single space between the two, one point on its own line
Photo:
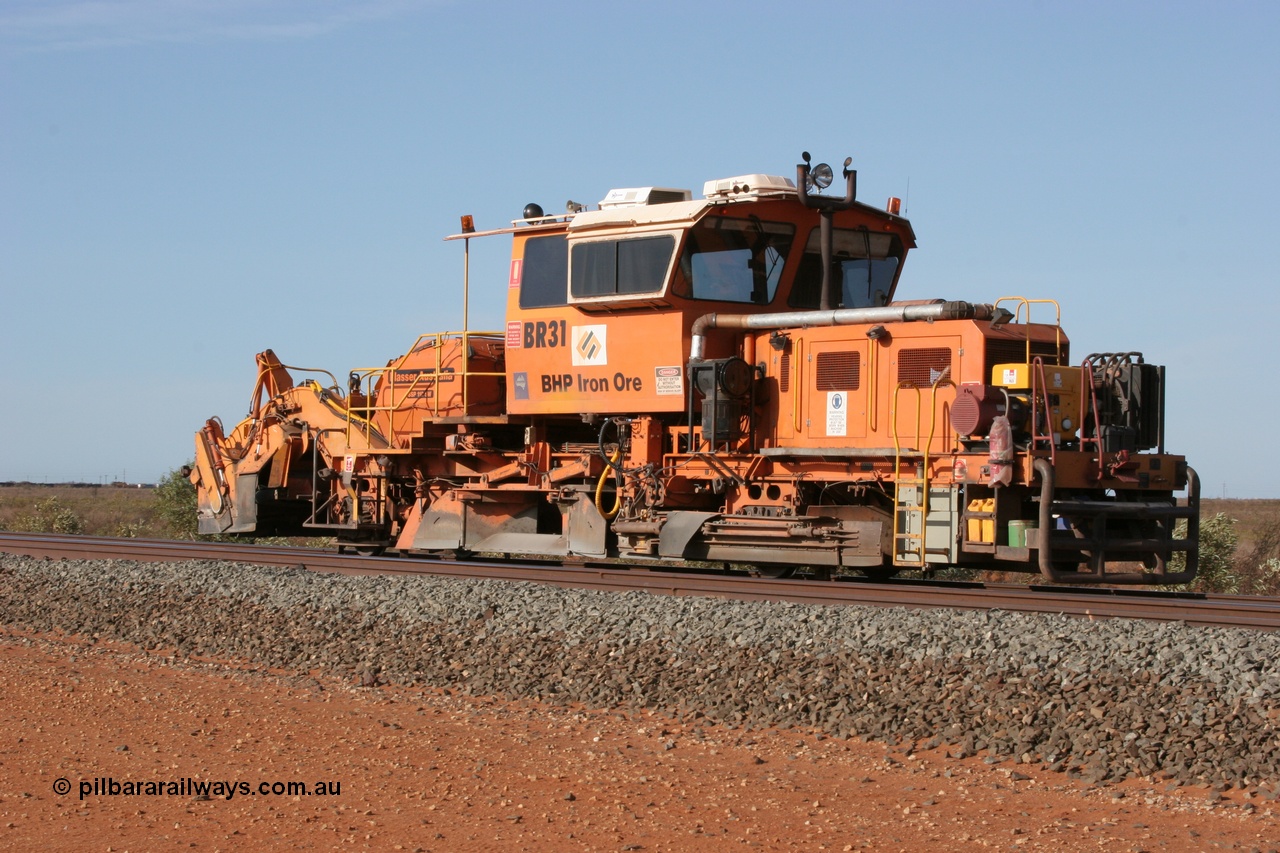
x=734 y=260
x=863 y=264
x=544 y=277
x=610 y=267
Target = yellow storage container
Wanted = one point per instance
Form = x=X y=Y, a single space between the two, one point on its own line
x=982 y=529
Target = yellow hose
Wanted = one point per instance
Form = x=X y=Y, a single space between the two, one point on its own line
x=617 y=498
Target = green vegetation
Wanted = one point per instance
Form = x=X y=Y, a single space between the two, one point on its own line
x=1237 y=558
x=49 y=516
x=167 y=511
x=175 y=506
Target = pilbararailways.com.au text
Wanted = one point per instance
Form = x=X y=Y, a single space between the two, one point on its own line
x=202 y=788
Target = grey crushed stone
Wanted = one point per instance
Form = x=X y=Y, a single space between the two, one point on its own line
x=1102 y=700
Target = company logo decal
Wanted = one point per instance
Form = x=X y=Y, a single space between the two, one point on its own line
x=590 y=345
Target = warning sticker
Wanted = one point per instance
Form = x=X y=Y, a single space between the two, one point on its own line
x=837 y=413
x=513 y=334
x=516 y=270
x=668 y=381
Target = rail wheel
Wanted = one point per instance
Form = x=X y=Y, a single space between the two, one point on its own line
x=880 y=573
x=777 y=571
x=363 y=550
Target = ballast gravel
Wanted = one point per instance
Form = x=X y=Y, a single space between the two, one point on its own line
x=1102 y=700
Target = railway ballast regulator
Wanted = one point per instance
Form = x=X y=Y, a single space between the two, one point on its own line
x=726 y=379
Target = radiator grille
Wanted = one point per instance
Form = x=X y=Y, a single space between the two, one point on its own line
x=837 y=371
x=923 y=367
x=784 y=373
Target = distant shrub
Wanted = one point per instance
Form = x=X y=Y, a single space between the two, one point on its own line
x=50 y=516
x=175 y=506
x=1259 y=566
x=1218 y=541
x=129 y=530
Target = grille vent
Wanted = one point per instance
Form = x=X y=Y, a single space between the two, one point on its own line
x=922 y=367
x=784 y=373
x=837 y=371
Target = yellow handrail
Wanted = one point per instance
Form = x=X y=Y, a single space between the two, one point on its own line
x=370 y=376
x=1023 y=302
x=872 y=409
x=941 y=381
x=893 y=419
x=797 y=348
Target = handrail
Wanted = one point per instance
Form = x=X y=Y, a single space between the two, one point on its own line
x=893 y=419
x=940 y=382
x=1023 y=302
x=1038 y=393
x=796 y=392
x=1089 y=406
x=371 y=376
x=873 y=411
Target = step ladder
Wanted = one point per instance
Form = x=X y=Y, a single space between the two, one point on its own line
x=910 y=506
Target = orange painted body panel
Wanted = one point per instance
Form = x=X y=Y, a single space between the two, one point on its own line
x=563 y=361
x=834 y=387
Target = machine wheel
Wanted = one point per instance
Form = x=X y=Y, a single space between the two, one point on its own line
x=362 y=550
x=777 y=571
x=880 y=573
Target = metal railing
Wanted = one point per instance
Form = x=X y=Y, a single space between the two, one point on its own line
x=403 y=396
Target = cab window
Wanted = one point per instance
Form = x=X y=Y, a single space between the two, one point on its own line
x=733 y=260
x=620 y=267
x=863 y=264
x=544 y=274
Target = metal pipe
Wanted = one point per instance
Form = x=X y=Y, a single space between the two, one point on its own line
x=827 y=301
x=825 y=205
x=1161 y=575
x=837 y=317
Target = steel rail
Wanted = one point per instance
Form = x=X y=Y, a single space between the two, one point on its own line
x=1203 y=610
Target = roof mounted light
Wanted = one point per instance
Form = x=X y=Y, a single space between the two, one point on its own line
x=820 y=176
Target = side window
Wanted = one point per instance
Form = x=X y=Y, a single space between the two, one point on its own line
x=614 y=267
x=544 y=276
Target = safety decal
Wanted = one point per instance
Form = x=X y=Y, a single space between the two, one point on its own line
x=513 y=334
x=516 y=264
x=837 y=413
x=668 y=381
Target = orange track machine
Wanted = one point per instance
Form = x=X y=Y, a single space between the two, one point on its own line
x=726 y=379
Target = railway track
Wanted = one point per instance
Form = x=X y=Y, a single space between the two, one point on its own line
x=1093 y=603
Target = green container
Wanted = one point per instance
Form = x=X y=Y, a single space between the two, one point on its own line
x=1018 y=533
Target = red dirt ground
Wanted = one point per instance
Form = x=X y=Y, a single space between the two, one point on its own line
x=426 y=770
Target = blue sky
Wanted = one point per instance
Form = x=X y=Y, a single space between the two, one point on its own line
x=183 y=184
